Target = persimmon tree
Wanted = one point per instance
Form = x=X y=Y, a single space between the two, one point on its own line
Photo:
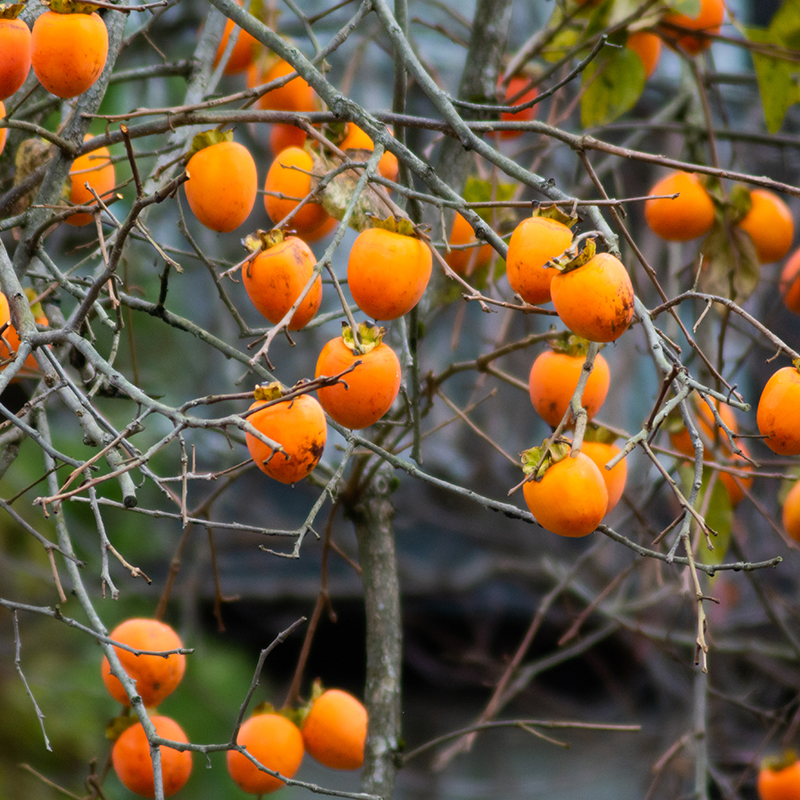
x=155 y=322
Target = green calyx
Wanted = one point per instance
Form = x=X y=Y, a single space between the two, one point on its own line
x=555 y=213
x=597 y=433
x=401 y=225
x=780 y=762
x=268 y=393
x=70 y=7
x=370 y=336
x=11 y=10
x=207 y=139
x=574 y=260
x=558 y=451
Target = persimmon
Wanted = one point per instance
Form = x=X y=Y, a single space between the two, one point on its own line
x=515 y=85
x=460 y=260
x=10 y=341
x=708 y=21
x=96 y=169
x=223 y=182
x=243 y=52
x=282 y=136
x=647 y=46
x=275 y=277
x=335 y=729
x=791 y=512
x=534 y=242
x=15 y=54
x=276 y=743
x=571 y=499
x=595 y=300
x=156 y=677
x=3 y=131
x=289 y=175
x=689 y=215
x=388 y=272
x=615 y=478
x=790 y=283
x=68 y=51
x=769 y=224
x=358 y=139
x=133 y=763
x=370 y=389
x=779 y=778
x=296 y=95
x=553 y=378
x=299 y=426
x=777 y=415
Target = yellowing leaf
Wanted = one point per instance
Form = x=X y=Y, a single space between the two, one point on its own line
x=612 y=83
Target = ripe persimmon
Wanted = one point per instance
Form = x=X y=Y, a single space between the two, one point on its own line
x=647 y=46
x=777 y=415
x=289 y=176
x=779 y=778
x=15 y=54
x=298 y=425
x=282 y=136
x=790 y=283
x=370 y=389
x=296 y=95
x=769 y=224
x=69 y=51
x=595 y=300
x=243 y=53
x=791 y=512
x=535 y=241
x=554 y=376
x=571 y=499
x=275 y=277
x=96 y=169
x=388 y=272
x=601 y=453
x=3 y=131
x=460 y=260
x=134 y=766
x=708 y=21
x=156 y=677
x=335 y=729
x=358 y=139
x=10 y=341
x=515 y=85
x=276 y=743
x=689 y=215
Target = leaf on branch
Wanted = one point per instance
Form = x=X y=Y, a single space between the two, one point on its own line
x=718 y=514
x=730 y=264
x=612 y=84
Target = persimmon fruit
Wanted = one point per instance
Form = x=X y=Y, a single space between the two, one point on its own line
x=276 y=743
x=460 y=261
x=779 y=778
x=358 y=139
x=571 y=499
x=552 y=381
x=769 y=224
x=134 y=766
x=10 y=342
x=777 y=415
x=595 y=300
x=515 y=85
x=3 y=131
x=370 y=389
x=15 y=55
x=790 y=283
x=222 y=185
x=534 y=242
x=68 y=51
x=299 y=426
x=615 y=478
x=276 y=276
x=791 y=512
x=96 y=169
x=243 y=52
x=685 y=217
x=282 y=136
x=647 y=46
x=388 y=272
x=335 y=729
x=296 y=95
x=708 y=21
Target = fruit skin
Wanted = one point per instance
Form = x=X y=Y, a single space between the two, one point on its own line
x=647 y=46
x=553 y=379
x=275 y=278
x=358 y=139
x=780 y=784
x=601 y=453
x=156 y=677
x=791 y=512
x=790 y=283
x=777 y=415
x=134 y=767
x=300 y=426
x=15 y=55
x=243 y=52
x=516 y=85
x=533 y=243
x=297 y=95
x=387 y=272
x=335 y=729
x=709 y=20
x=68 y=52
x=571 y=499
x=282 y=136
x=287 y=175
x=459 y=260
x=595 y=301
x=275 y=742
x=770 y=225
x=3 y=131
x=222 y=185
x=10 y=338
x=96 y=169
x=688 y=216
x=371 y=387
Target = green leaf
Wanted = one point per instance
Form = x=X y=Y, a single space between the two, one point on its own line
x=613 y=83
x=691 y=8
x=785 y=25
x=730 y=265
x=775 y=80
x=718 y=515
